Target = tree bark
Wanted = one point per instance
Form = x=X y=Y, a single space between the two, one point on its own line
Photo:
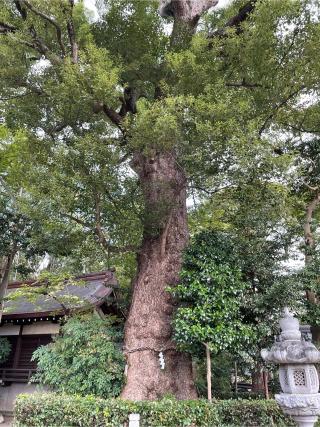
x=148 y=331
x=257 y=380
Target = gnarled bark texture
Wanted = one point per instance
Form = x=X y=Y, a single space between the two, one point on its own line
x=148 y=328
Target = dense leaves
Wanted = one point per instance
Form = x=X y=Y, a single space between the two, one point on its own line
x=211 y=292
x=84 y=359
x=35 y=410
x=221 y=105
x=5 y=348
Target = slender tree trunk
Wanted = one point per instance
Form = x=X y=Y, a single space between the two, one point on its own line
x=209 y=373
x=265 y=383
x=148 y=332
x=308 y=233
x=309 y=240
x=4 y=279
x=236 y=377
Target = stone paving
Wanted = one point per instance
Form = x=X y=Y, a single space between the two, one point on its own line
x=7 y=422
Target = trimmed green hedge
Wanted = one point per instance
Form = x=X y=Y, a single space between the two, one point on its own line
x=60 y=410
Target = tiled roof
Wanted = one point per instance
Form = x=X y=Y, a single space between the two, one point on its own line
x=95 y=289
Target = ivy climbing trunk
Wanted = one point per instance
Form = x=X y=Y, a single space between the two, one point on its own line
x=155 y=367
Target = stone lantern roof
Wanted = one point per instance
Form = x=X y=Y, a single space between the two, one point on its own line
x=291 y=348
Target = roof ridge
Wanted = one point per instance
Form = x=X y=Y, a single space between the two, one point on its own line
x=89 y=276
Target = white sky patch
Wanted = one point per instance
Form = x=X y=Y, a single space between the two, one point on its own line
x=44 y=263
x=91 y=6
x=307 y=100
x=223 y=4
x=39 y=67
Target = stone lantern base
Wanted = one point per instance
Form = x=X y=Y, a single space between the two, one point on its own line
x=306 y=421
x=303 y=408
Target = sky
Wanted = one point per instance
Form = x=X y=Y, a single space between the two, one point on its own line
x=223 y=3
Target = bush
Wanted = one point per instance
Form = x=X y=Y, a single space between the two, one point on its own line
x=61 y=410
x=255 y=413
x=84 y=359
x=5 y=348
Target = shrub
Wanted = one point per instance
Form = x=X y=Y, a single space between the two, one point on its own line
x=5 y=348
x=61 y=410
x=255 y=413
x=85 y=359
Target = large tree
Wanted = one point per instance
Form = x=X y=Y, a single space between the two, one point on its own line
x=175 y=109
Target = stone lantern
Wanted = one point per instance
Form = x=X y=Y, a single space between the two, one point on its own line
x=298 y=376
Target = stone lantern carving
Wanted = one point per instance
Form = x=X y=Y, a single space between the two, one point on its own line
x=298 y=376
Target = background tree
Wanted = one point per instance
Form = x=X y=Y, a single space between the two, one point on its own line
x=211 y=295
x=15 y=230
x=259 y=215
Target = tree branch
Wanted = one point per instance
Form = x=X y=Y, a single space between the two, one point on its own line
x=7 y=28
x=246 y=85
x=236 y=21
x=21 y=9
x=50 y=20
x=98 y=228
x=72 y=35
x=113 y=116
x=301 y=129
x=211 y=192
x=277 y=108
x=311 y=187
x=187 y=11
x=15 y=96
x=76 y=219
x=38 y=43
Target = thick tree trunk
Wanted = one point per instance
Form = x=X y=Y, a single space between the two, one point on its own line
x=155 y=367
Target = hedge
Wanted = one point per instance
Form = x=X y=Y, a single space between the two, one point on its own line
x=60 y=410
